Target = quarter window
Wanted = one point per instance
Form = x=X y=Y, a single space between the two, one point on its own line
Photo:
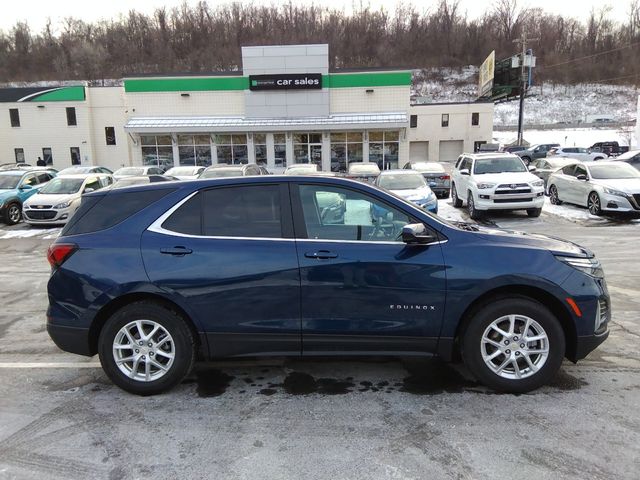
x=334 y=213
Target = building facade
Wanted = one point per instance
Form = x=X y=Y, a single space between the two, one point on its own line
x=285 y=107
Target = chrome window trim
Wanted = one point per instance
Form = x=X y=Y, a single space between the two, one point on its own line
x=156 y=227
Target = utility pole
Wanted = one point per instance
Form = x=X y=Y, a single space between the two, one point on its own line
x=523 y=80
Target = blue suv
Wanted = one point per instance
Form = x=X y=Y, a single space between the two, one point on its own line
x=153 y=277
x=15 y=187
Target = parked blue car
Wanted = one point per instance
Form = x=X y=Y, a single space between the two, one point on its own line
x=15 y=187
x=152 y=277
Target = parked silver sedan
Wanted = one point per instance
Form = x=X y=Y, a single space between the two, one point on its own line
x=546 y=166
x=601 y=187
x=435 y=175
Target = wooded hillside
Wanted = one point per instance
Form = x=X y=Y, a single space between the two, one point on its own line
x=208 y=38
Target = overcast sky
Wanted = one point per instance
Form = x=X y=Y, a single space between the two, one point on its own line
x=37 y=11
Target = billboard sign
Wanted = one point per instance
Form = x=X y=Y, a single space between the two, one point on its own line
x=287 y=81
x=485 y=83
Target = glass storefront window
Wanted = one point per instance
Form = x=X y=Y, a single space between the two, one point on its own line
x=194 y=150
x=383 y=148
x=232 y=149
x=280 y=149
x=157 y=150
x=260 y=146
x=307 y=148
x=346 y=147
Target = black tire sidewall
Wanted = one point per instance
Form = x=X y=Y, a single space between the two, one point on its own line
x=7 y=218
x=471 y=343
x=182 y=337
x=454 y=195
x=534 y=212
x=599 y=212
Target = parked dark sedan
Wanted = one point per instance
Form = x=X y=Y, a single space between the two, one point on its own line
x=153 y=277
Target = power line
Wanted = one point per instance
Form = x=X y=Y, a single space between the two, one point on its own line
x=544 y=67
x=616 y=78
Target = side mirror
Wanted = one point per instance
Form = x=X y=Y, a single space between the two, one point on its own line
x=25 y=187
x=582 y=176
x=464 y=171
x=416 y=233
x=532 y=168
x=87 y=190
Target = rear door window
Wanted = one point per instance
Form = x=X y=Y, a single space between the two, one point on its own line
x=246 y=211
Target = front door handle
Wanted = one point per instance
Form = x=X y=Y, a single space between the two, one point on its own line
x=321 y=254
x=177 y=251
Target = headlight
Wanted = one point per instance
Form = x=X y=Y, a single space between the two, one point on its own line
x=611 y=191
x=62 y=205
x=484 y=186
x=538 y=183
x=25 y=206
x=590 y=266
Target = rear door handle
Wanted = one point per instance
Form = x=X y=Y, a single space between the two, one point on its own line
x=177 y=251
x=321 y=254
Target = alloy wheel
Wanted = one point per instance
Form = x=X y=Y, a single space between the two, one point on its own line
x=14 y=214
x=514 y=346
x=143 y=350
x=594 y=204
x=553 y=195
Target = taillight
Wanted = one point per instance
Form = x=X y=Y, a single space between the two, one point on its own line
x=445 y=177
x=58 y=253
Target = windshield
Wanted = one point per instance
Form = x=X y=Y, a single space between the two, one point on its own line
x=231 y=172
x=498 y=165
x=9 y=181
x=63 y=186
x=402 y=181
x=370 y=169
x=130 y=171
x=610 y=172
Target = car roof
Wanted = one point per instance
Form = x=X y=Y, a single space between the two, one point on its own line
x=492 y=155
x=399 y=172
x=84 y=175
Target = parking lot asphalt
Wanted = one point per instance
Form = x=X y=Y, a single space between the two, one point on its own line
x=365 y=418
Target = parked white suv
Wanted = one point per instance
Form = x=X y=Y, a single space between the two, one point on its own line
x=495 y=181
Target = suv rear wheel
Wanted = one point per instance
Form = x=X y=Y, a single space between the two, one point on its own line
x=13 y=214
x=146 y=348
x=534 y=212
x=513 y=345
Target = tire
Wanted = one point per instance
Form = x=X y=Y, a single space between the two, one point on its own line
x=534 y=212
x=526 y=160
x=471 y=208
x=593 y=204
x=454 y=197
x=13 y=214
x=553 y=195
x=510 y=372
x=173 y=337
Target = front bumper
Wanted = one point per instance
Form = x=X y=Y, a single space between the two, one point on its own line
x=587 y=344
x=616 y=203
x=34 y=216
x=518 y=201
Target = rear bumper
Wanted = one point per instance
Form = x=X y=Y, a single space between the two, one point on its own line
x=586 y=344
x=70 y=339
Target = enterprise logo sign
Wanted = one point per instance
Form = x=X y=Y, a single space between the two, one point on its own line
x=287 y=81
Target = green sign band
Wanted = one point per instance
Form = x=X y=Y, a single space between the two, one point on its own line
x=189 y=84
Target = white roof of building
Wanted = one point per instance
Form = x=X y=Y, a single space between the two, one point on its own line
x=241 y=124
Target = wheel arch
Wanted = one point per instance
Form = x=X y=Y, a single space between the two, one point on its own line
x=117 y=303
x=557 y=308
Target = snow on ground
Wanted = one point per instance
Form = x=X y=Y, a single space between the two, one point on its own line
x=46 y=233
x=447 y=211
x=576 y=137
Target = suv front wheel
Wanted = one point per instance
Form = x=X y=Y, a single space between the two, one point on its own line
x=473 y=212
x=513 y=345
x=146 y=348
x=454 y=196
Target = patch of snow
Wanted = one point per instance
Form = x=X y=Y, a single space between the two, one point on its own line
x=447 y=211
x=48 y=233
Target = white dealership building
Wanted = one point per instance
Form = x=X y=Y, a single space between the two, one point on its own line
x=286 y=106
